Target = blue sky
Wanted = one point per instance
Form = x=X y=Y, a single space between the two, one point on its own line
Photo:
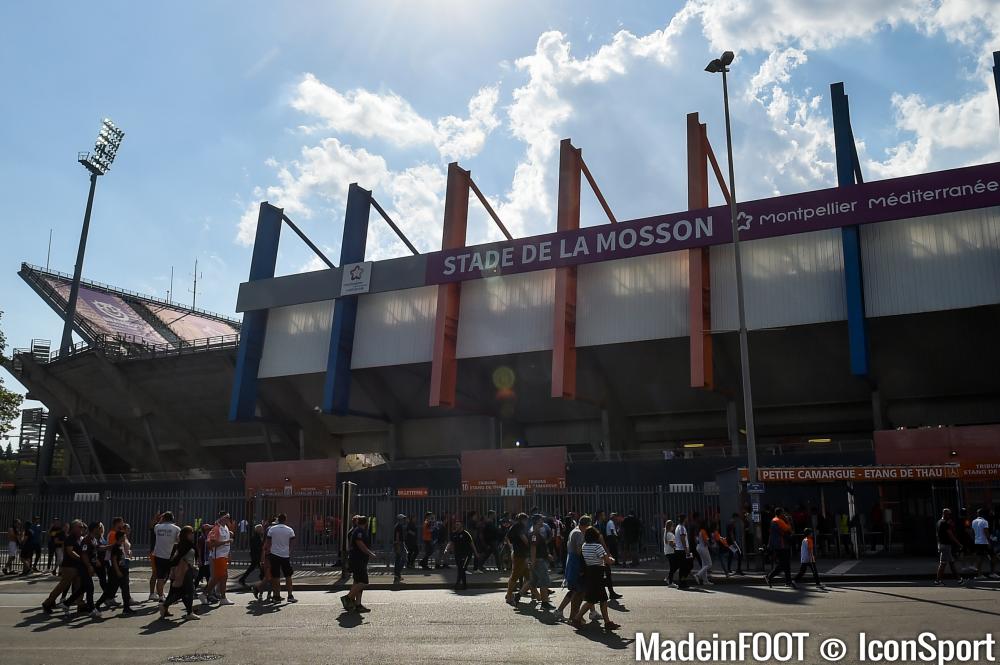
x=226 y=104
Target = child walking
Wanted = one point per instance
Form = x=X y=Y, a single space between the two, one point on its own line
x=807 y=559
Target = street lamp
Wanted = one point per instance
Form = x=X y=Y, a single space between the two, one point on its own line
x=98 y=162
x=721 y=66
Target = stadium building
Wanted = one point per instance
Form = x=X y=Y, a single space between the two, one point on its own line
x=873 y=310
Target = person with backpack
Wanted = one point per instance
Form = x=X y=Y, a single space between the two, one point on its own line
x=182 y=566
x=807 y=558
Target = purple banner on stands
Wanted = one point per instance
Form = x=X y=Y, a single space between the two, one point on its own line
x=190 y=326
x=111 y=315
x=885 y=200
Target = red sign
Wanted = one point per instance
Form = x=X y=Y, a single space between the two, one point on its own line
x=316 y=477
x=412 y=492
x=938 y=445
x=495 y=470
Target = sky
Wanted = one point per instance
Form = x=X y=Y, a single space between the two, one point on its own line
x=227 y=104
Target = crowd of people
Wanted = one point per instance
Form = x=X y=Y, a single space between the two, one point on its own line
x=529 y=546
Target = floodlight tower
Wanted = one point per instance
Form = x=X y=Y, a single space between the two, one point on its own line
x=98 y=162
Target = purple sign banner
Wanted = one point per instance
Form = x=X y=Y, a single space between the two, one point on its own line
x=110 y=314
x=190 y=326
x=935 y=193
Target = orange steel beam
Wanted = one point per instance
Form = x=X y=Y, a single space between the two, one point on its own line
x=444 y=366
x=699 y=265
x=715 y=166
x=564 y=316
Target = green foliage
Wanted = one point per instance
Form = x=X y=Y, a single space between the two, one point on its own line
x=10 y=402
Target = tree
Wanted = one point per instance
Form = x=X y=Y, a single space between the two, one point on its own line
x=8 y=452
x=10 y=402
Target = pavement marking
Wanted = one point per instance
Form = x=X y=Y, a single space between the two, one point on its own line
x=843 y=567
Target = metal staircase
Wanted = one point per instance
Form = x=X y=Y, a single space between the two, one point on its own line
x=77 y=443
x=29 y=443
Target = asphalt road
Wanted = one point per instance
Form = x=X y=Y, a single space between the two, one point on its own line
x=435 y=626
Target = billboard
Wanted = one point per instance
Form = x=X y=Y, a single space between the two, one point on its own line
x=937 y=445
x=108 y=314
x=189 y=326
x=935 y=193
x=316 y=477
x=874 y=474
x=529 y=468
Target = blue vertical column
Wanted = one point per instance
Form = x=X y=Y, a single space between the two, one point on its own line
x=337 y=387
x=996 y=74
x=243 y=404
x=849 y=173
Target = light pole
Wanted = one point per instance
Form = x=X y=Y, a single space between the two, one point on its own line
x=98 y=163
x=717 y=66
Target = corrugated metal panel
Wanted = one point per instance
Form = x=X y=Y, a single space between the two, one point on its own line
x=788 y=280
x=297 y=339
x=650 y=293
x=510 y=314
x=395 y=328
x=932 y=263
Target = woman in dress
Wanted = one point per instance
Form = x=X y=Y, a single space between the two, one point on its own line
x=596 y=558
x=182 y=572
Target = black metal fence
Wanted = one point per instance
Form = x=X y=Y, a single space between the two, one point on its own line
x=316 y=519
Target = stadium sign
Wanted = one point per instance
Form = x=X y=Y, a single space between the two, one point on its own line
x=885 y=200
x=876 y=473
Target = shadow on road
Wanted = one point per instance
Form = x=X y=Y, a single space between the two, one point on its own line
x=611 y=640
x=941 y=603
x=350 y=619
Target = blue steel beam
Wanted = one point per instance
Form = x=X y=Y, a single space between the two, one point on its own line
x=996 y=75
x=849 y=173
x=337 y=386
x=243 y=404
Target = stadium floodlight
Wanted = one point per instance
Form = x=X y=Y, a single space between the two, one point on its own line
x=721 y=66
x=98 y=162
x=109 y=139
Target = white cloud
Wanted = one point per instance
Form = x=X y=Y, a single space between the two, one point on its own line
x=459 y=138
x=364 y=113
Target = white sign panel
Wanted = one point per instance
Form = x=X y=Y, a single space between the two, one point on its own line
x=356 y=278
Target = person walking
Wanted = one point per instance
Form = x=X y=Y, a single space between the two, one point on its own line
x=70 y=566
x=780 y=542
x=360 y=554
x=947 y=545
x=166 y=535
x=202 y=556
x=256 y=547
x=220 y=540
x=491 y=542
x=573 y=579
x=412 y=542
x=464 y=547
x=517 y=535
x=984 y=550
x=735 y=534
x=668 y=551
x=705 y=556
x=595 y=558
x=13 y=547
x=88 y=557
x=807 y=558
x=182 y=573
x=538 y=563
x=399 y=548
x=631 y=536
x=427 y=535
x=279 y=538
x=117 y=562
x=54 y=544
x=683 y=557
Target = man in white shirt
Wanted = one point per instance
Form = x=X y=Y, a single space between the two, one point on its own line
x=167 y=534
x=683 y=550
x=984 y=550
x=220 y=540
x=280 y=537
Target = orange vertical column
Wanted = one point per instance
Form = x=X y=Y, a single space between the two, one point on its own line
x=564 y=315
x=444 y=366
x=699 y=265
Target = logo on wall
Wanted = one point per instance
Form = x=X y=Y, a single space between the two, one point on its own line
x=356 y=278
x=112 y=312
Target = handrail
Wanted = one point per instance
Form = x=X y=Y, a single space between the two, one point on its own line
x=128 y=347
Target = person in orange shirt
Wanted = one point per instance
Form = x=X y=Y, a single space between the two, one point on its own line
x=807 y=559
x=780 y=542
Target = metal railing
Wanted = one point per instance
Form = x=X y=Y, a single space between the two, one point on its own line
x=129 y=347
x=131 y=294
x=316 y=519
